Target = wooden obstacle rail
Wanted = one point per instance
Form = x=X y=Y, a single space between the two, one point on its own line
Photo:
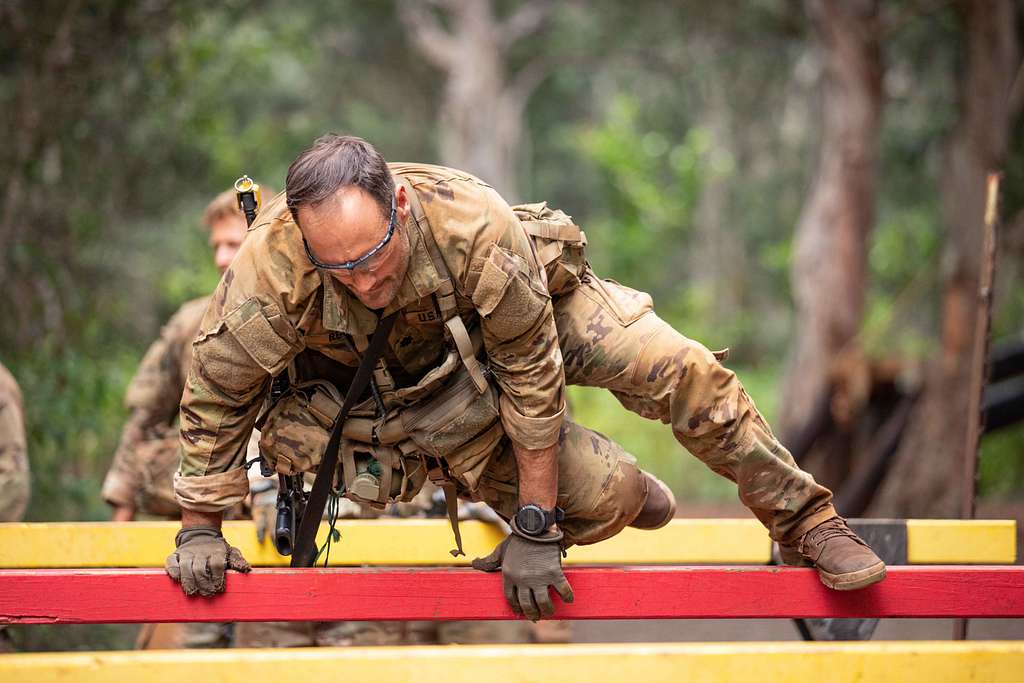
x=426 y=543
x=148 y=595
x=902 y=662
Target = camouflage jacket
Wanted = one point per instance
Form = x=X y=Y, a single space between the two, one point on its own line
x=272 y=304
x=143 y=468
x=14 y=470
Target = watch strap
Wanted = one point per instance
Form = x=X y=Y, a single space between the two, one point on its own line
x=548 y=536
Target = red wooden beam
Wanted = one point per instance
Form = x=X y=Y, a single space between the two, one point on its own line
x=148 y=595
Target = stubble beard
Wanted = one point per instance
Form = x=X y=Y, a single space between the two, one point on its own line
x=382 y=295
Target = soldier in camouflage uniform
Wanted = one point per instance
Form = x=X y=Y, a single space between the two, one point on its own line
x=141 y=475
x=14 y=471
x=497 y=311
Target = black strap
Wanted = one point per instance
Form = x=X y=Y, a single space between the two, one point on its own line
x=305 y=543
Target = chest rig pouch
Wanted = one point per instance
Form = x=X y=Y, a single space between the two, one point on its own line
x=374 y=468
x=446 y=426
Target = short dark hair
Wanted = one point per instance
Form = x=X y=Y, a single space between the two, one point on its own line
x=336 y=161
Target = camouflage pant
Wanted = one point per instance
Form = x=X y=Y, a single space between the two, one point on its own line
x=610 y=337
x=185 y=635
x=14 y=494
x=365 y=633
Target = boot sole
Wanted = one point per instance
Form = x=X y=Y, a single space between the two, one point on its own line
x=851 y=581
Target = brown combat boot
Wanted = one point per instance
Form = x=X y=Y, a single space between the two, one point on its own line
x=843 y=560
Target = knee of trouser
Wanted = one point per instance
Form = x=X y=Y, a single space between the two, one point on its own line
x=659 y=508
x=685 y=383
x=616 y=505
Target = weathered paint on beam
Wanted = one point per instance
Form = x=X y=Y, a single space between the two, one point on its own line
x=878 y=662
x=426 y=542
x=143 y=595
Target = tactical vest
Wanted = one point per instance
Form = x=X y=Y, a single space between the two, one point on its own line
x=446 y=426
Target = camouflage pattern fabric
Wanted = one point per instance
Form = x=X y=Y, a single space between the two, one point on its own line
x=611 y=338
x=142 y=472
x=14 y=468
x=15 y=485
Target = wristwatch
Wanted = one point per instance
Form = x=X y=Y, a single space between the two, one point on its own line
x=533 y=520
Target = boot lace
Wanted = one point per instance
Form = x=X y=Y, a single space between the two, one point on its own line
x=833 y=528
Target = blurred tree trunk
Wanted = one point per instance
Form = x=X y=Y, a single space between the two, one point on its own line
x=830 y=246
x=717 y=262
x=481 y=116
x=63 y=63
x=925 y=477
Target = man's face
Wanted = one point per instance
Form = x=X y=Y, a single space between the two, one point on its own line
x=349 y=225
x=226 y=235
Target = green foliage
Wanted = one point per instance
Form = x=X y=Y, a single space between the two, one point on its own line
x=651 y=187
x=73 y=414
x=903 y=258
x=1000 y=466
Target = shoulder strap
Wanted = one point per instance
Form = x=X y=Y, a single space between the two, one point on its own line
x=446 y=294
x=563 y=232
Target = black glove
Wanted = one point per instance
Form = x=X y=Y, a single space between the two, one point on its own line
x=528 y=566
x=201 y=559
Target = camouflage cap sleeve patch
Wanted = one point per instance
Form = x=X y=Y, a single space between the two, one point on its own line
x=494 y=278
x=264 y=334
x=508 y=295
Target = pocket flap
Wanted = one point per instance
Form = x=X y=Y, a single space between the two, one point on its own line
x=252 y=324
x=494 y=278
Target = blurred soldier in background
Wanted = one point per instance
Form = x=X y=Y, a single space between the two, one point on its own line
x=140 y=479
x=14 y=472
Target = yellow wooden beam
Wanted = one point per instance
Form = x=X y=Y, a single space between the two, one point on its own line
x=427 y=542
x=943 y=541
x=905 y=662
x=373 y=542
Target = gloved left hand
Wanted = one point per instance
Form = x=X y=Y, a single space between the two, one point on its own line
x=528 y=566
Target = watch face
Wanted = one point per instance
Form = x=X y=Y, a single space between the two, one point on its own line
x=530 y=519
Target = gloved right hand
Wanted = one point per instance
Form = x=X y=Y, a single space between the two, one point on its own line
x=201 y=558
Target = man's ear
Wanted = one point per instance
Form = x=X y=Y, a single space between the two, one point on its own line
x=402 y=208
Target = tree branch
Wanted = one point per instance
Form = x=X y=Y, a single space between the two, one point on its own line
x=526 y=80
x=1016 y=96
x=525 y=21
x=427 y=33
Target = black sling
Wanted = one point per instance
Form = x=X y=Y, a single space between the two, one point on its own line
x=305 y=551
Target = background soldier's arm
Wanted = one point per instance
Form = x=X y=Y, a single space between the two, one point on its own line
x=152 y=397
